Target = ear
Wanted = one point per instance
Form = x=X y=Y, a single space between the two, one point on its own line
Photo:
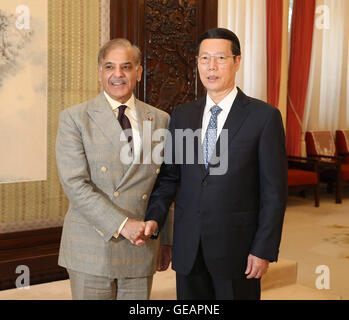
x=237 y=61
x=99 y=70
x=139 y=73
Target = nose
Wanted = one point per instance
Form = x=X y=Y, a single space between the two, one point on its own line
x=118 y=72
x=212 y=65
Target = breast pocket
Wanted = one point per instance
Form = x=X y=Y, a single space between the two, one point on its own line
x=247 y=144
x=242 y=155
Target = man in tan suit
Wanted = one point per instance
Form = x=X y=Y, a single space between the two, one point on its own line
x=101 y=163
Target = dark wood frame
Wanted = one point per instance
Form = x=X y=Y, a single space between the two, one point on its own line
x=36 y=249
x=124 y=16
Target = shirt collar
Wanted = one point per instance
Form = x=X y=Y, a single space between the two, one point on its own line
x=115 y=104
x=225 y=104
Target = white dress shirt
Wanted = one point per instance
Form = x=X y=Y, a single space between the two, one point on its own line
x=225 y=105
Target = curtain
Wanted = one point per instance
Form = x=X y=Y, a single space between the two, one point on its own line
x=104 y=9
x=299 y=67
x=247 y=19
x=274 y=49
x=328 y=93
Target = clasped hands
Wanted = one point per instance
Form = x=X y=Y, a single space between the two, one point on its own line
x=137 y=231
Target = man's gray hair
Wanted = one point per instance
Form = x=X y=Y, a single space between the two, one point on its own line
x=115 y=43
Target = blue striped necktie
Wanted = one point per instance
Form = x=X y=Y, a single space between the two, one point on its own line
x=211 y=134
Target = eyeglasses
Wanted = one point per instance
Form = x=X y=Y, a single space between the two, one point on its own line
x=220 y=59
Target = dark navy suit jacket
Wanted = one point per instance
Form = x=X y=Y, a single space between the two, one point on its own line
x=231 y=214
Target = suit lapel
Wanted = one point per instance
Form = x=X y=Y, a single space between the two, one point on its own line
x=196 y=124
x=199 y=113
x=145 y=125
x=102 y=114
x=237 y=115
x=193 y=121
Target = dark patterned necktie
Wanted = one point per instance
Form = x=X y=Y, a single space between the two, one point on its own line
x=125 y=125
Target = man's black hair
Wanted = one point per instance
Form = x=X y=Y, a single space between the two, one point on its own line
x=222 y=33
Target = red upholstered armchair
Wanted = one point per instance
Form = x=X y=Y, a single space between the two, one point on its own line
x=321 y=145
x=303 y=174
x=342 y=144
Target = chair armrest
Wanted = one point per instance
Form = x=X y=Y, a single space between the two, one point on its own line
x=325 y=156
x=302 y=163
x=301 y=159
x=336 y=164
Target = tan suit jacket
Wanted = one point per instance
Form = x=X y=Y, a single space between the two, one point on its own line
x=102 y=191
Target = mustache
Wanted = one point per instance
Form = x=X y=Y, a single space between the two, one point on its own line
x=118 y=80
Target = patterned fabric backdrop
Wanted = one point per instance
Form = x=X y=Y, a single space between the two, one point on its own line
x=104 y=21
x=75 y=32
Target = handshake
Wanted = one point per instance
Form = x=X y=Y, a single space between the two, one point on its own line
x=138 y=231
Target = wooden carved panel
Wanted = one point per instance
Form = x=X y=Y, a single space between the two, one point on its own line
x=167 y=32
x=170 y=49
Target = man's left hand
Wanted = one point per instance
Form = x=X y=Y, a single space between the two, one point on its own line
x=164 y=258
x=256 y=267
x=151 y=227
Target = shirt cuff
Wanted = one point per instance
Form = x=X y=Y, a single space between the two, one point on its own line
x=117 y=233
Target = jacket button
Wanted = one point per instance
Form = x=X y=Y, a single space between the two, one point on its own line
x=104 y=169
x=144 y=197
x=204 y=183
x=157 y=171
x=116 y=194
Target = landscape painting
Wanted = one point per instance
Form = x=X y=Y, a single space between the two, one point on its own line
x=23 y=90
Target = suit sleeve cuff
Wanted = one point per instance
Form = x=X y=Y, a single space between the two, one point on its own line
x=117 y=233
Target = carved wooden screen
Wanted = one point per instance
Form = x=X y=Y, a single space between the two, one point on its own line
x=167 y=32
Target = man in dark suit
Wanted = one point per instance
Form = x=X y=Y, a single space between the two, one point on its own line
x=229 y=208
